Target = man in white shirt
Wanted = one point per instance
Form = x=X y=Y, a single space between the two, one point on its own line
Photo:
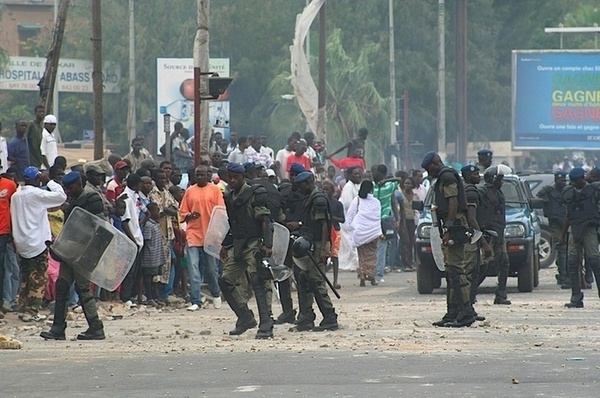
x=281 y=158
x=131 y=227
x=30 y=230
x=254 y=154
x=48 y=146
x=238 y=155
x=265 y=149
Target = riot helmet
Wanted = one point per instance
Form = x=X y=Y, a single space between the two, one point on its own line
x=495 y=174
x=301 y=253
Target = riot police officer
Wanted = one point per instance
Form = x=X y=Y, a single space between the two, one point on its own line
x=250 y=237
x=555 y=210
x=451 y=211
x=491 y=214
x=311 y=250
x=583 y=217
x=472 y=178
x=293 y=204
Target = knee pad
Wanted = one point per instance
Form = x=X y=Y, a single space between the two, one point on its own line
x=62 y=288
x=256 y=281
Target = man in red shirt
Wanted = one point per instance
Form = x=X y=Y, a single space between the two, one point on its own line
x=299 y=157
x=116 y=186
x=7 y=189
x=354 y=160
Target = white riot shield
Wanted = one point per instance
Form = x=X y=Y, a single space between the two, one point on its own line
x=95 y=249
x=218 y=227
x=281 y=241
x=436 y=247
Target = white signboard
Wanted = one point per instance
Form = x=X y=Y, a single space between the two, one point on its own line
x=74 y=75
x=175 y=95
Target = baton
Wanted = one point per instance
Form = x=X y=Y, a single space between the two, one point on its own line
x=324 y=276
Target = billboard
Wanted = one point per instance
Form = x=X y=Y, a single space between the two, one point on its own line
x=175 y=95
x=74 y=75
x=556 y=99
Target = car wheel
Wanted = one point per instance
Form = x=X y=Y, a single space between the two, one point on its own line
x=525 y=278
x=547 y=250
x=425 y=278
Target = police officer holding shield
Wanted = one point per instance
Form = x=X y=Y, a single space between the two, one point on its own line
x=250 y=238
x=555 y=210
x=311 y=250
x=472 y=178
x=491 y=216
x=583 y=217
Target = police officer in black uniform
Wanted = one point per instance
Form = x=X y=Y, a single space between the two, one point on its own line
x=293 y=204
x=315 y=229
x=555 y=210
x=472 y=179
x=250 y=238
x=491 y=216
x=583 y=217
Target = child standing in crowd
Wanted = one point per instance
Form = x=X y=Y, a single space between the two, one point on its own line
x=153 y=253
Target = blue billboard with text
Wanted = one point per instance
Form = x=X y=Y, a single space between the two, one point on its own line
x=556 y=99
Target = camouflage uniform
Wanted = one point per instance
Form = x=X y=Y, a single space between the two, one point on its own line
x=33 y=283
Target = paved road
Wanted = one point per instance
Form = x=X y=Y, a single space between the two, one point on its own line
x=386 y=347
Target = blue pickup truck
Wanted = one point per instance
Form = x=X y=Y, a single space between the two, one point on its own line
x=522 y=233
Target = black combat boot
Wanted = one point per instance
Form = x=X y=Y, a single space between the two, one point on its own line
x=285 y=295
x=244 y=323
x=306 y=318
x=55 y=333
x=329 y=321
x=265 y=328
x=94 y=332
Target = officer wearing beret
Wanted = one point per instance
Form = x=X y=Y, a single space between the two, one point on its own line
x=472 y=178
x=293 y=204
x=87 y=199
x=316 y=228
x=555 y=211
x=451 y=211
x=582 y=200
x=484 y=159
x=251 y=232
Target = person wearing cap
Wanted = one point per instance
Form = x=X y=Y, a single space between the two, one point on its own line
x=196 y=208
x=484 y=159
x=34 y=136
x=48 y=146
x=7 y=190
x=116 y=185
x=30 y=230
x=450 y=205
x=95 y=177
x=250 y=237
x=555 y=210
x=272 y=176
x=583 y=217
x=472 y=179
x=88 y=199
x=316 y=228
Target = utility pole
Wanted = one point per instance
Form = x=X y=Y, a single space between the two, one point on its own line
x=461 y=81
x=201 y=63
x=441 y=109
x=48 y=80
x=97 y=79
x=321 y=117
x=393 y=111
x=131 y=115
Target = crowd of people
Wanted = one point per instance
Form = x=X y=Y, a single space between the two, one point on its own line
x=340 y=215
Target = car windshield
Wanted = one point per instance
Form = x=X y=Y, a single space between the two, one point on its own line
x=512 y=195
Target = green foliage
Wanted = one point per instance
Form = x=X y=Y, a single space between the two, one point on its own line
x=256 y=36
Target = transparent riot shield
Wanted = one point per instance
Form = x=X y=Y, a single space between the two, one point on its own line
x=95 y=249
x=218 y=227
x=436 y=248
